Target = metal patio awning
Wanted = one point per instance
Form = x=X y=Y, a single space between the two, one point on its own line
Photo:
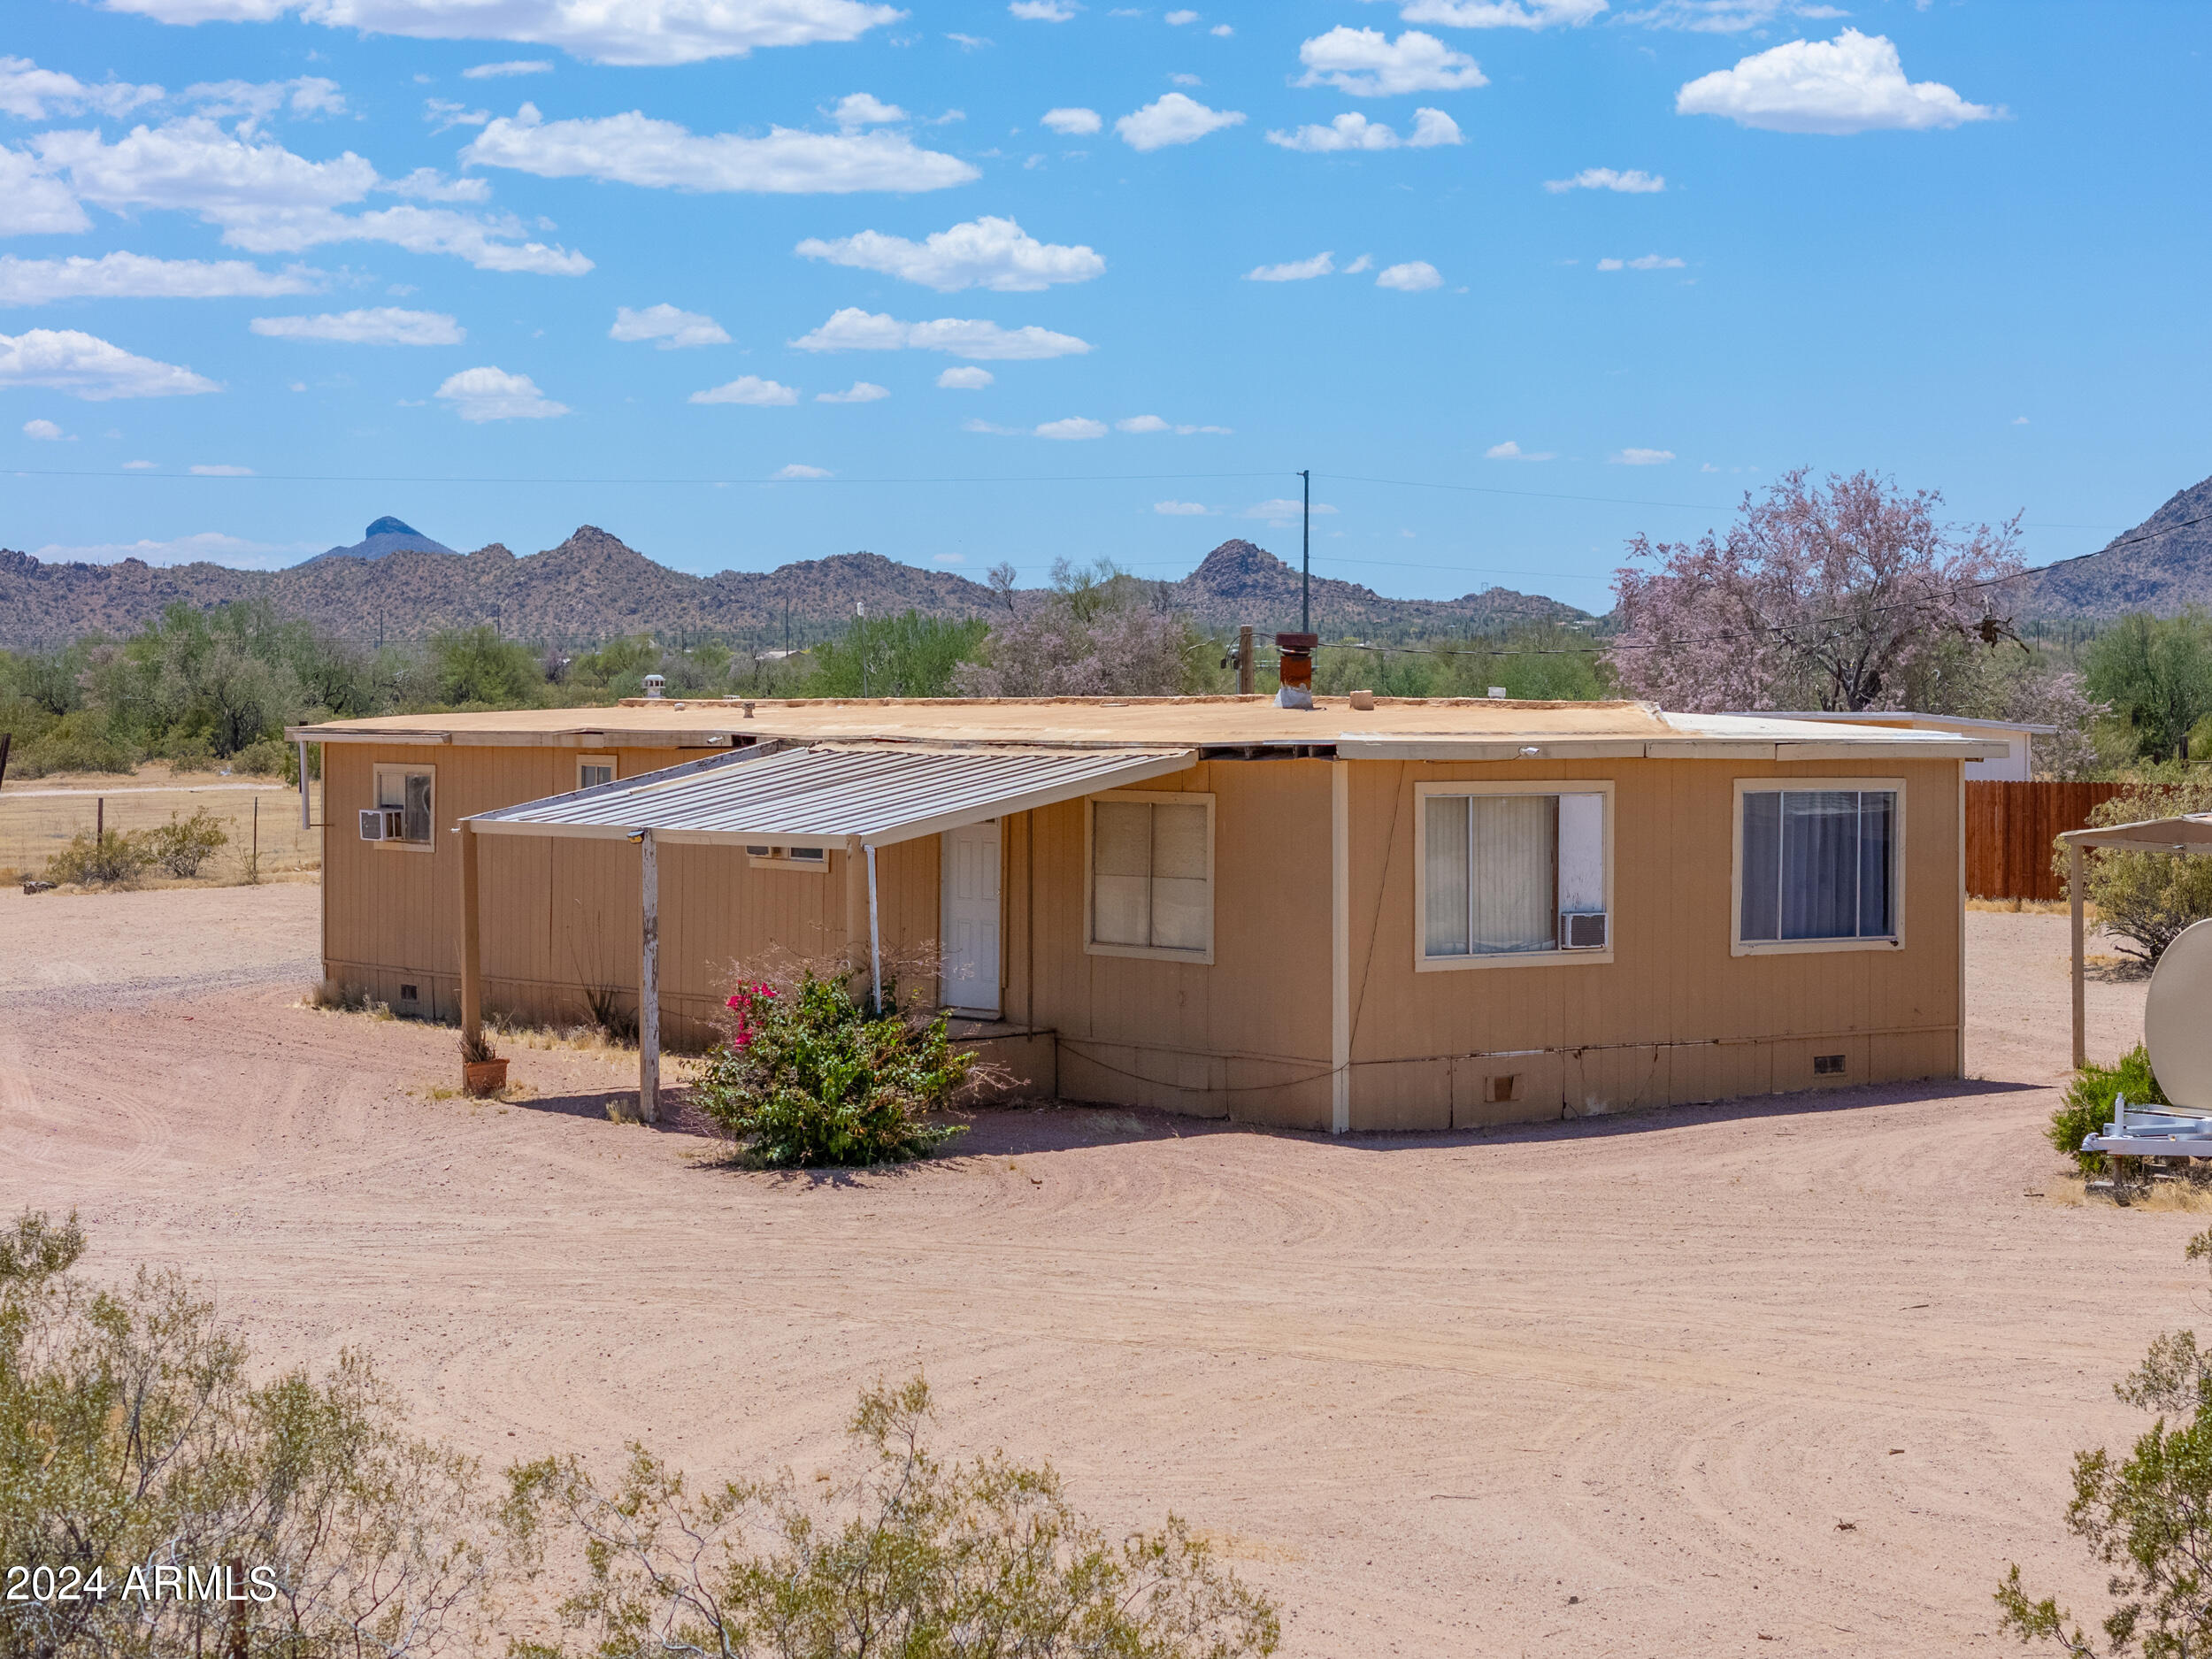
x=2190 y=833
x=848 y=796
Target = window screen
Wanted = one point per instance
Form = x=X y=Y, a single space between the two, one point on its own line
x=1498 y=871
x=1150 y=887
x=410 y=791
x=1818 y=864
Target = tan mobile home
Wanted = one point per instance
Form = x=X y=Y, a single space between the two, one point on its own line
x=1399 y=915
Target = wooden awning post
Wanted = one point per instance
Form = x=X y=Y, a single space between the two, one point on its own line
x=472 y=939
x=2073 y=900
x=649 y=993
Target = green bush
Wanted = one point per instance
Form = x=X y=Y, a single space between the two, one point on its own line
x=2088 y=1104
x=916 y=1556
x=811 y=1076
x=76 y=742
x=182 y=845
x=107 y=860
x=2147 y=898
x=269 y=758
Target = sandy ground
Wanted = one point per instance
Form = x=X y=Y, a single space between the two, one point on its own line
x=1805 y=1371
x=39 y=815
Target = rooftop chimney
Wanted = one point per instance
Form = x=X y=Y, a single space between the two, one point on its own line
x=1296 y=652
x=655 y=684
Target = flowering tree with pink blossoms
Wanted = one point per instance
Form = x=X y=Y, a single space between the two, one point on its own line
x=1837 y=596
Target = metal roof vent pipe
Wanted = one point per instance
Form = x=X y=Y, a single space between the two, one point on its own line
x=1296 y=650
x=655 y=684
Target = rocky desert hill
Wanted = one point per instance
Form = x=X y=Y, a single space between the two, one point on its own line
x=592 y=588
x=2162 y=565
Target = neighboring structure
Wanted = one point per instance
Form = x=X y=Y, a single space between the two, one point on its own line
x=2015 y=765
x=1400 y=915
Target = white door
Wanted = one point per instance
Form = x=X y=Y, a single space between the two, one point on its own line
x=968 y=917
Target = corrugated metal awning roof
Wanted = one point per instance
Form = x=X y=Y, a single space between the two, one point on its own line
x=831 y=797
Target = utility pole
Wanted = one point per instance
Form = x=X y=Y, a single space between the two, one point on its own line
x=1305 y=572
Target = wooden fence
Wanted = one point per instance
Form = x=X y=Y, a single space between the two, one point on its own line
x=2009 y=829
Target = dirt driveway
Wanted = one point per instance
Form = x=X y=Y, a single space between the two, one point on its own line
x=1808 y=1371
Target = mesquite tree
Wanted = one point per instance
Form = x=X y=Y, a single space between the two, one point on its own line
x=1823 y=596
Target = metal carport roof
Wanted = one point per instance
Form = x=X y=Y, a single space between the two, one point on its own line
x=846 y=796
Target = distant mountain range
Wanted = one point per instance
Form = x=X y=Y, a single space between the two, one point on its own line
x=396 y=585
x=2162 y=565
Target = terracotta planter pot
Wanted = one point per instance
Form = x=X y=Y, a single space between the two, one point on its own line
x=484 y=1077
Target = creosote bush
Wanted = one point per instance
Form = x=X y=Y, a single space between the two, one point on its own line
x=2146 y=1518
x=914 y=1557
x=2088 y=1107
x=134 y=1435
x=108 y=859
x=811 y=1075
x=183 y=844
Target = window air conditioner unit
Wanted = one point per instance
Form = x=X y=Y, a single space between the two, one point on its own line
x=1582 y=930
x=383 y=824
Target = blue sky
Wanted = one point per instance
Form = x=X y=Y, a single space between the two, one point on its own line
x=1599 y=267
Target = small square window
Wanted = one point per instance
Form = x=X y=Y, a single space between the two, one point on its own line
x=1827 y=1066
x=592 y=771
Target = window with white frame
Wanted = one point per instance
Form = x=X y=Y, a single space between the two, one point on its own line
x=410 y=790
x=594 y=770
x=1152 y=875
x=1512 y=872
x=1818 y=865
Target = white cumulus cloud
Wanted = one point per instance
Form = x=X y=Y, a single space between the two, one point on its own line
x=1076 y=426
x=1072 y=122
x=798 y=471
x=749 y=389
x=861 y=392
x=1641 y=457
x=1413 y=277
x=1176 y=19
x=991 y=253
x=492 y=394
x=858 y=110
x=1512 y=451
x=84 y=366
x=667 y=328
x=137 y=276
x=512 y=66
x=1292 y=269
x=1634 y=182
x=1175 y=118
x=1500 y=14
x=853 y=329
x=1353 y=131
x=1043 y=10
x=266 y=199
x=634 y=149
x=966 y=380
x=44 y=431
x=34 y=94
x=633 y=32
x=1180 y=508
x=1729 y=17
x=383 y=326
x=33 y=202
x=1642 y=262
x=1143 y=424
x=1368 y=65
x=1852 y=84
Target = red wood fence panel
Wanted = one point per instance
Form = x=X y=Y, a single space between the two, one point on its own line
x=2010 y=828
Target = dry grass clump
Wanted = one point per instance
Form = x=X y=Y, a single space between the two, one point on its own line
x=2029 y=907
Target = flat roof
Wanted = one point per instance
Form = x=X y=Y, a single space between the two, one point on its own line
x=1885 y=717
x=1480 y=728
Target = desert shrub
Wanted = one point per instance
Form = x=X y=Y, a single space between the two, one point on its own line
x=133 y=1434
x=267 y=757
x=2147 y=897
x=2146 y=1518
x=183 y=844
x=2088 y=1107
x=76 y=742
x=108 y=859
x=913 y=1556
x=811 y=1075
